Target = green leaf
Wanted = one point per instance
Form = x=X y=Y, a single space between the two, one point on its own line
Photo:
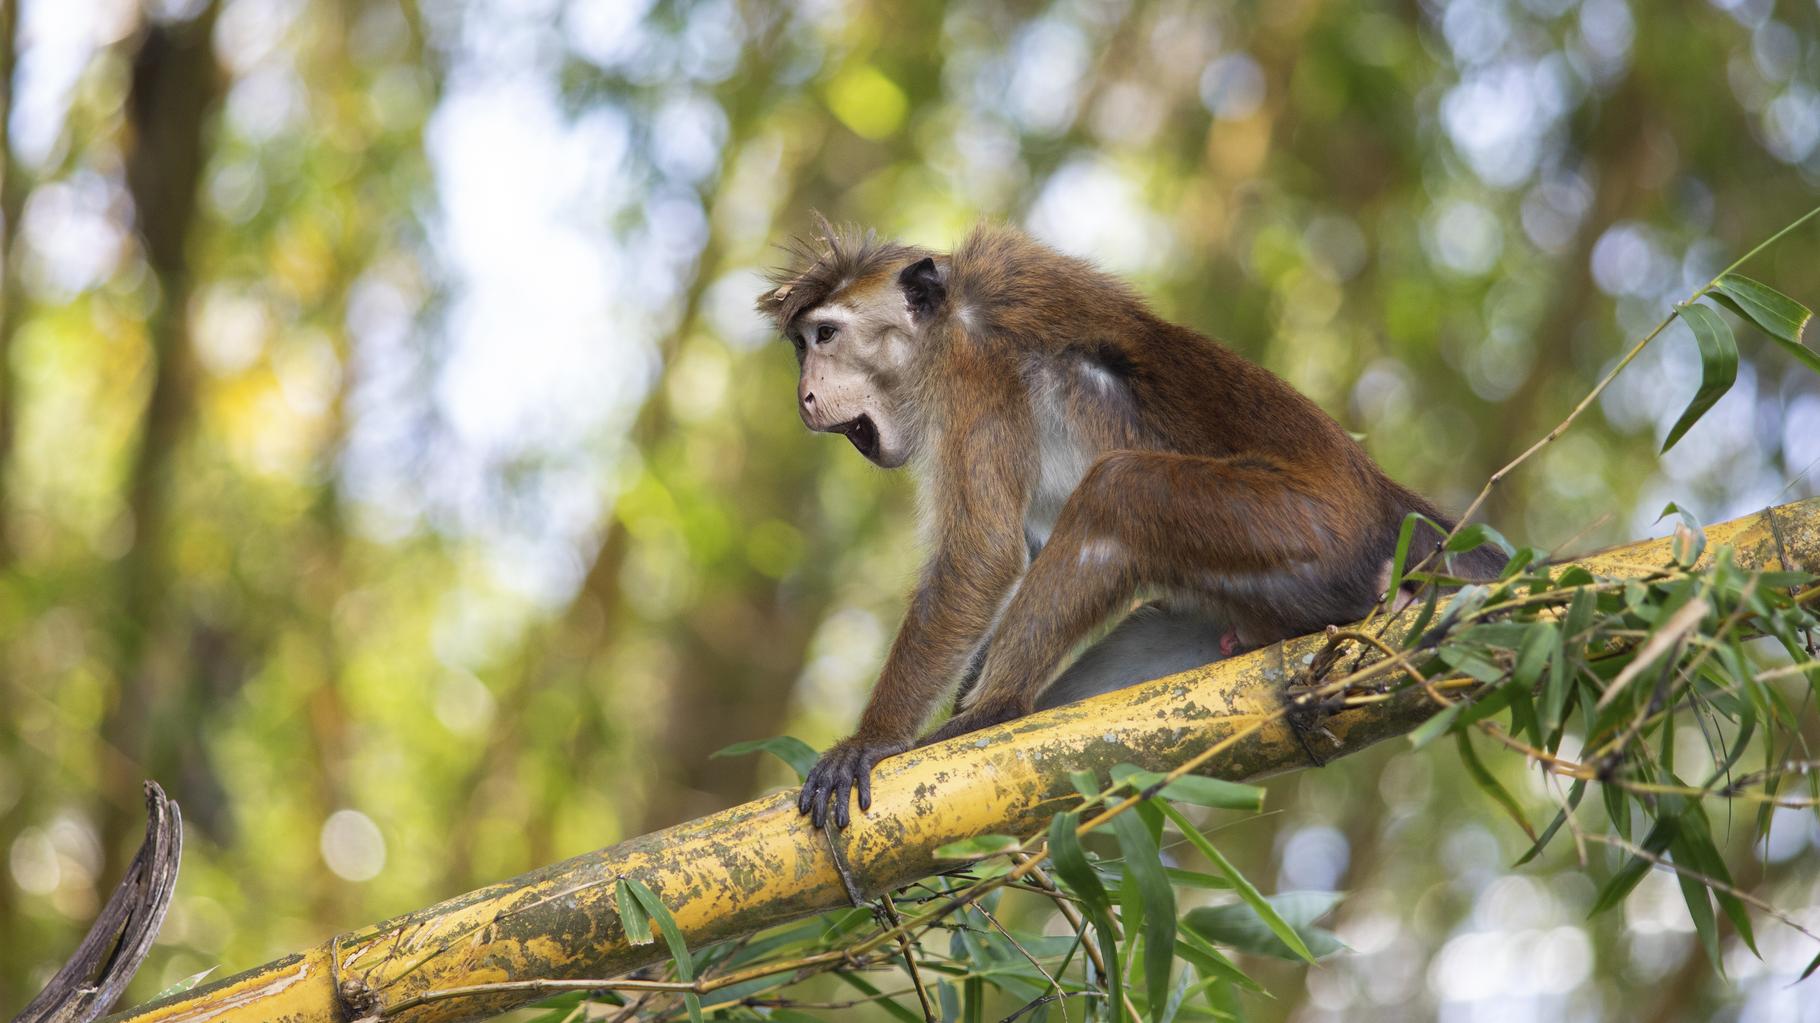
x=788 y=748
x=1248 y=892
x=1779 y=316
x=1706 y=924
x=632 y=916
x=866 y=988
x=1539 y=642
x=1211 y=962
x=679 y=949
x=1560 y=683
x=1196 y=879
x=1144 y=866
x=1574 y=794
x=1490 y=786
x=1192 y=788
x=1477 y=535
x=1661 y=834
x=1240 y=926
x=1718 y=365
x=1072 y=868
x=1693 y=848
x=1085 y=782
x=978 y=848
x=1399 y=561
x=1435 y=727
x=185 y=984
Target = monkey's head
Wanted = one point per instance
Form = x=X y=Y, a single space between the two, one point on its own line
x=850 y=305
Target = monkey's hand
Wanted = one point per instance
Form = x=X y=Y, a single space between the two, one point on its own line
x=974 y=718
x=845 y=767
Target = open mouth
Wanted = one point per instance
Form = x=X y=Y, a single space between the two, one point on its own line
x=862 y=433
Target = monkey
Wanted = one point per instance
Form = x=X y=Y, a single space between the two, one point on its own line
x=1073 y=452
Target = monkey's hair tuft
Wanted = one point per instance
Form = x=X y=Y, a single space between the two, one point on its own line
x=821 y=264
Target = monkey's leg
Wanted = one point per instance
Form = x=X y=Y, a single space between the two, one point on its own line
x=1153 y=641
x=1178 y=522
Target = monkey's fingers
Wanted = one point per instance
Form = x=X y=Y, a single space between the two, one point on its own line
x=864 y=781
x=814 y=797
x=843 y=784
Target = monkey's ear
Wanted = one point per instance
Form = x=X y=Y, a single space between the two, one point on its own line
x=923 y=287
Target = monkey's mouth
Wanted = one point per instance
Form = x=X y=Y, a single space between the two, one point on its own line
x=862 y=432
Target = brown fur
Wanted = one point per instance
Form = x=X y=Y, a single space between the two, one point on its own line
x=1043 y=395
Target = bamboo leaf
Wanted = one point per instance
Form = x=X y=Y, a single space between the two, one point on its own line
x=1399 y=561
x=1627 y=876
x=867 y=988
x=1248 y=892
x=1478 y=535
x=1665 y=636
x=1779 y=316
x=1241 y=927
x=1072 y=867
x=184 y=985
x=1560 y=682
x=978 y=848
x=1193 y=788
x=1718 y=366
x=788 y=748
x=1210 y=961
x=632 y=916
x=1574 y=794
x=1195 y=879
x=1490 y=785
x=679 y=949
x=1144 y=867
x=1435 y=727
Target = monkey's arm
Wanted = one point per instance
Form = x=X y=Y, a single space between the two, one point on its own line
x=1179 y=522
x=979 y=555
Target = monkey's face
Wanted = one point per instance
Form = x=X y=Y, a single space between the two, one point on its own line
x=855 y=351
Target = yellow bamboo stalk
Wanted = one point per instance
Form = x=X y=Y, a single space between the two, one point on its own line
x=752 y=866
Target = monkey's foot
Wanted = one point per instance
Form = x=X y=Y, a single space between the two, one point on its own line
x=972 y=720
x=1230 y=644
x=846 y=767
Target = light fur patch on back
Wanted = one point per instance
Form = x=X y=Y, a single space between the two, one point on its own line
x=1062 y=456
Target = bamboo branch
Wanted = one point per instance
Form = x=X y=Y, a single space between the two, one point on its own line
x=760 y=864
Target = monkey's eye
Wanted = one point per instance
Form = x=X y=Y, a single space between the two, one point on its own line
x=823 y=333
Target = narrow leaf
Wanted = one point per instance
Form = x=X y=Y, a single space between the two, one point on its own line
x=1192 y=788
x=1574 y=794
x=632 y=916
x=866 y=987
x=1248 y=892
x=788 y=748
x=978 y=848
x=1666 y=636
x=1435 y=727
x=1144 y=866
x=1779 y=316
x=1072 y=867
x=1718 y=366
x=1490 y=785
x=1239 y=926
x=1211 y=961
x=679 y=949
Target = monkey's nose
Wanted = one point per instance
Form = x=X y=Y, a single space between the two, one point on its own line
x=809 y=398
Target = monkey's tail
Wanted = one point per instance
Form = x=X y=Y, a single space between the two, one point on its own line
x=1481 y=564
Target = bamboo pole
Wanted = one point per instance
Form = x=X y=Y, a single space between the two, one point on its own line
x=752 y=866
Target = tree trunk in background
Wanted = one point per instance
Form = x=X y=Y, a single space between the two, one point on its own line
x=175 y=83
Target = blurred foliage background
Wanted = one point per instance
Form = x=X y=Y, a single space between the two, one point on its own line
x=391 y=464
